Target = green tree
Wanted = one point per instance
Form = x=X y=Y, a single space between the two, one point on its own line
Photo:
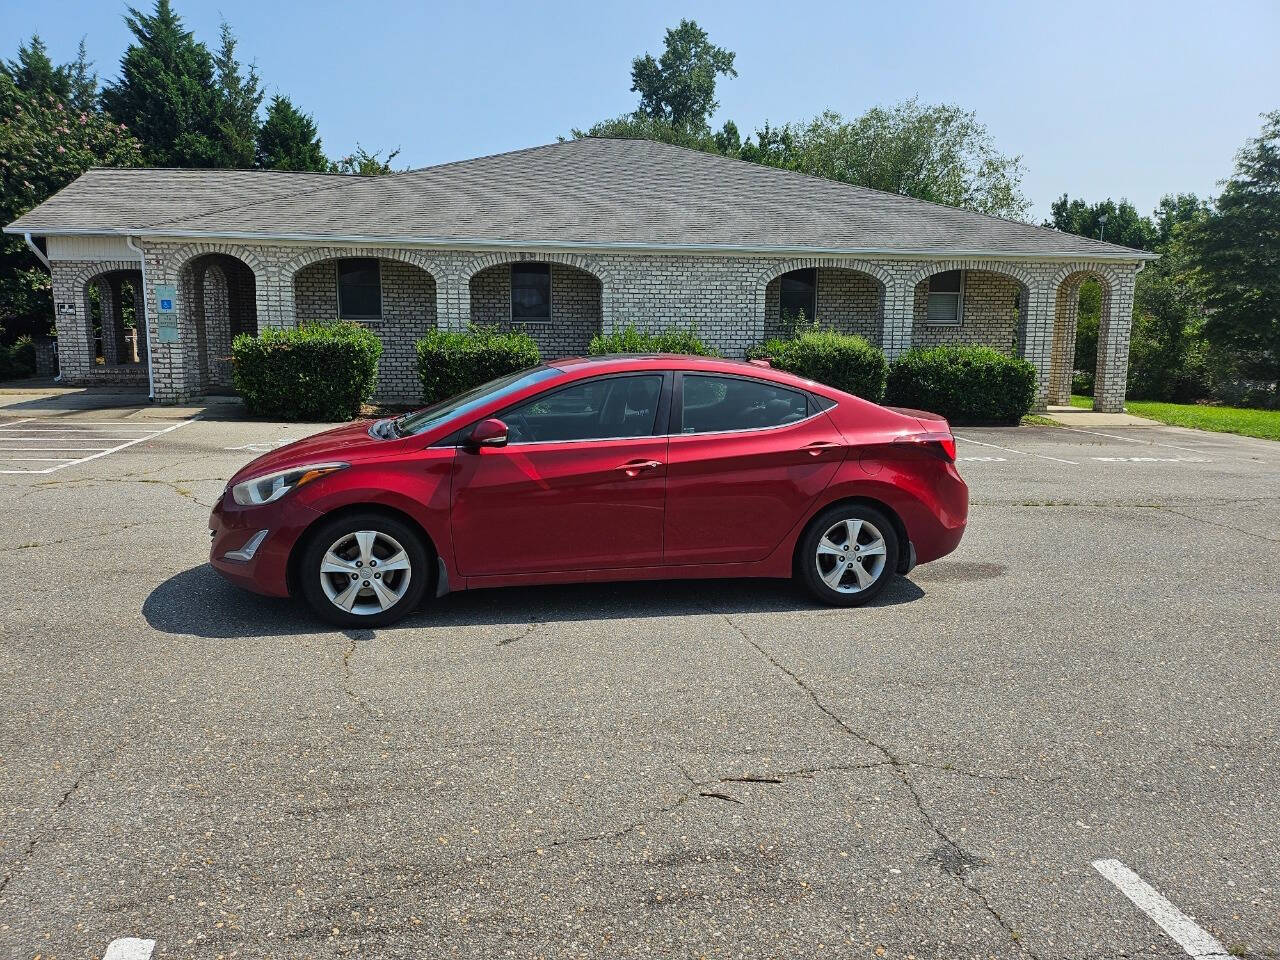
x=636 y=126
x=1236 y=251
x=288 y=139
x=680 y=86
x=33 y=72
x=1114 y=222
x=45 y=143
x=167 y=94
x=361 y=163
x=937 y=152
x=239 y=97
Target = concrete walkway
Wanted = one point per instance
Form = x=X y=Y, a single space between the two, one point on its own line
x=33 y=398
x=1079 y=417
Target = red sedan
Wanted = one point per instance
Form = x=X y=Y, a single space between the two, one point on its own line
x=609 y=468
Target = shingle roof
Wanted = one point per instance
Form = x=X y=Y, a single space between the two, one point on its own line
x=580 y=193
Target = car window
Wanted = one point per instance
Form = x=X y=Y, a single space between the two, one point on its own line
x=595 y=410
x=711 y=404
x=463 y=403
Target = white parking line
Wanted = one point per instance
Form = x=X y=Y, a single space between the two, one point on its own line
x=995 y=446
x=1154 y=443
x=129 y=948
x=1188 y=935
x=28 y=435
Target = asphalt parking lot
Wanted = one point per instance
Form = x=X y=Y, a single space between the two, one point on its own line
x=713 y=769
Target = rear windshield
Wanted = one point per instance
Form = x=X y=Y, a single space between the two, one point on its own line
x=464 y=403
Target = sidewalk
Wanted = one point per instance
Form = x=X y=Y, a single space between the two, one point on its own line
x=46 y=398
x=1079 y=417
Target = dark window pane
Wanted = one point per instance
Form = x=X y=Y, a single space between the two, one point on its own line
x=947 y=282
x=716 y=404
x=530 y=291
x=595 y=410
x=359 y=289
x=798 y=295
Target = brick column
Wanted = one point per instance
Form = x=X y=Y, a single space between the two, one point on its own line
x=453 y=302
x=1112 y=377
x=899 y=311
x=110 y=319
x=1037 y=339
x=1064 y=344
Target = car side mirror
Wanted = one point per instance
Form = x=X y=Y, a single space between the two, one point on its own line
x=488 y=433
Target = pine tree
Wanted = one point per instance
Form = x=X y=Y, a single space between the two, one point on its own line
x=167 y=95
x=240 y=96
x=1237 y=254
x=288 y=139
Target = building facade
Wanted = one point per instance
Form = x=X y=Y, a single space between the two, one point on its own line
x=157 y=299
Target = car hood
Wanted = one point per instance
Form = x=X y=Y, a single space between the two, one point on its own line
x=350 y=442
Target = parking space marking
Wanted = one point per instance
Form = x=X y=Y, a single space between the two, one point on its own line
x=1184 y=931
x=996 y=446
x=1154 y=443
x=1152 y=459
x=129 y=948
x=43 y=439
x=984 y=459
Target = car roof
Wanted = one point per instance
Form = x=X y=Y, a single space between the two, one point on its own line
x=617 y=362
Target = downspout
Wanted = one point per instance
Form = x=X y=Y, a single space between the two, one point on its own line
x=146 y=318
x=31 y=244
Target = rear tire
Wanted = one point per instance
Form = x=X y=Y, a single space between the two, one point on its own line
x=364 y=570
x=847 y=554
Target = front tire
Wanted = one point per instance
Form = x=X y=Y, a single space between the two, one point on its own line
x=364 y=570
x=848 y=554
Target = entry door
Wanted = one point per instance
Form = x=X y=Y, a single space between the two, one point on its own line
x=747 y=459
x=580 y=485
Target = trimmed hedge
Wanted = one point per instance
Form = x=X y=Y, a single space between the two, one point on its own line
x=963 y=384
x=839 y=360
x=451 y=361
x=318 y=372
x=631 y=340
x=18 y=360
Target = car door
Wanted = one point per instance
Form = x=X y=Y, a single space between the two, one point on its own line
x=580 y=484
x=747 y=457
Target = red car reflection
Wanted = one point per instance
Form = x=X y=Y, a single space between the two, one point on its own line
x=609 y=468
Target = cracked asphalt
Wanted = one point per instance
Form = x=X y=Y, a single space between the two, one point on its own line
x=715 y=769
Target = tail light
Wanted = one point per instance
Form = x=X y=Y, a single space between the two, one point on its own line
x=942 y=445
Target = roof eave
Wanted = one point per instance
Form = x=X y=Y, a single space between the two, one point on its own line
x=444 y=243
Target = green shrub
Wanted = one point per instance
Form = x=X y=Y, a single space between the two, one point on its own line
x=839 y=360
x=18 y=360
x=631 y=340
x=964 y=384
x=318 y=372
x=451 y=361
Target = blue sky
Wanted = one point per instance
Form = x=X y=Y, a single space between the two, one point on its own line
x=1119 y=99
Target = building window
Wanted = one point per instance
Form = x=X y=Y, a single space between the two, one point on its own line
x=798 y=295
x=359 y=289
x=946 y=298
x=531 y=291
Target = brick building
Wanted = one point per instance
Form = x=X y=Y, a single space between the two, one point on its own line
x=154 y=271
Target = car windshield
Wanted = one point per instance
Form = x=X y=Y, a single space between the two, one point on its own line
x=464 y=403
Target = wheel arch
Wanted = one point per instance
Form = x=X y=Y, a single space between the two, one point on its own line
x=304 y=540
x=899 y=527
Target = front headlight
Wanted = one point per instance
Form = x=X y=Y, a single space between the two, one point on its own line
x=273 y=486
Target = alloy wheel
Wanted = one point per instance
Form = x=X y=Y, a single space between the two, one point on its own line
x=850 y=556
x=365 y=572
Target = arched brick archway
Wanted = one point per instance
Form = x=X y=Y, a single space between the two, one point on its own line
x=850 y=295
x=410 y=284
x=1110 y=368
x=581 y=295
x=124 y=357
x=219 y=297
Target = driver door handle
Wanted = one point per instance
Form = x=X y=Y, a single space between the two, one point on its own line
x=819 y=447
x=633 y=468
